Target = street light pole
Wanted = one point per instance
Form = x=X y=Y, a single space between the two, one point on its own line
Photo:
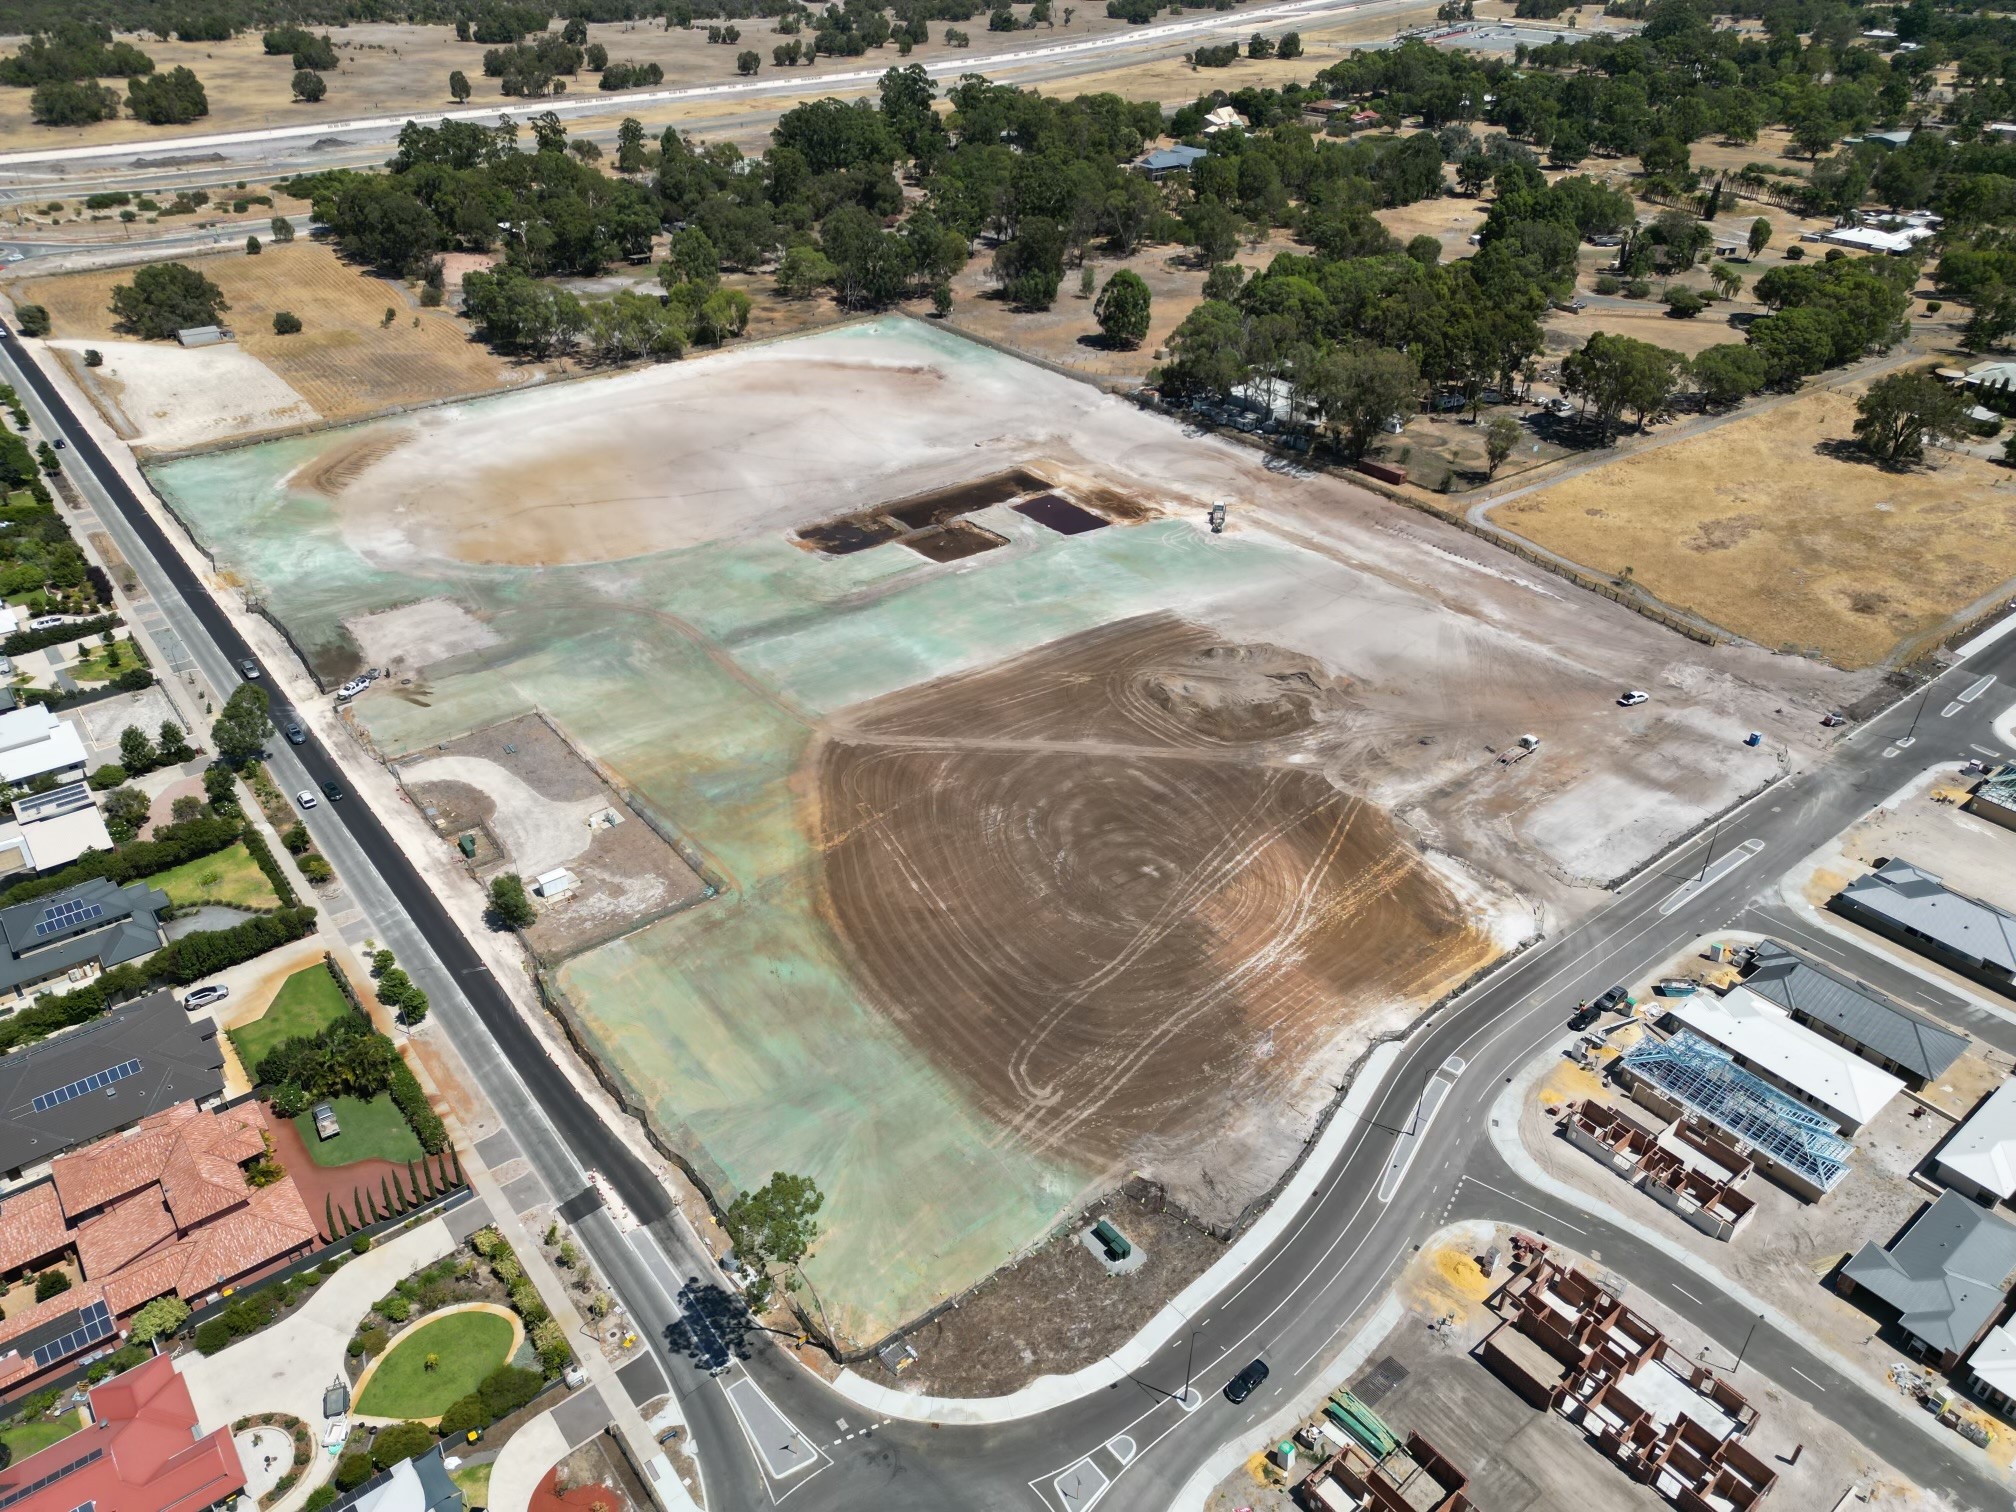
x=1708 y=854
x=1746 y=1342
x=1912 y=733
x=1188 y=1360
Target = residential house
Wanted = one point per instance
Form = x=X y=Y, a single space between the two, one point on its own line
x=35 y=743
x=420 y=1484
x=101 y=1077
x=64 y=939
x=1164 y=161
x=52 y=829
x=168 y=1208
x=1979 y=1158
x=144 y=1451
x=1944 y=1277
x=1911 y=905
x=1872 y=1024
x=1763 y=1039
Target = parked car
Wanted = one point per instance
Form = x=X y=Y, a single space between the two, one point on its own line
x=47 y=622
x=203 y=997
x=1583 y=1017
x=294 y=733
x=305 y=798
x=1616 y=997
x=326 y=1126
x=1635 y=697
x=249 y=667
x=1244 y=1384
x=333 y=791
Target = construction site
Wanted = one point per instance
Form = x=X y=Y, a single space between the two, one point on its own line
x=1052 y=836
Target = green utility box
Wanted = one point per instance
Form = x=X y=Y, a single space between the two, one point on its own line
x=1117 y=1247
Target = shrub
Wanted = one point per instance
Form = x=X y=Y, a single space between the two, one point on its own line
x=527 y=1303
x=316 y=869
x=1608 y=283
x=93 y=357
x=464 y=1416
x=360 y=1243
x=353 y=1470
x=51 y=1283
x=286 y=323
x=551 y=1343
x=296 y=839
x=508 y=1388
x=33 y=319
x=509 y=903
x=160 y=1317
x=394 y=1308
x=288 y=1101
x=402 y=1441
x=319 y=1498
x=107 y=776
x=213 y=1336
x=371 y=1341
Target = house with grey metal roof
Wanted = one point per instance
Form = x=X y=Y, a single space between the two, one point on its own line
x=1872 y=1024
x=1945 y=1277
x=90 y=927
x=89 y=1082
x=1164 y=161
x=1912 y=906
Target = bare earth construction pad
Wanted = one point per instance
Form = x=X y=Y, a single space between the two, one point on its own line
x=1081 y=886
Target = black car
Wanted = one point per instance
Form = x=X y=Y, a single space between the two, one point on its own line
x=294 y=733
x=333 y=791
x=1583 y=1017
x=1616 y=997
x=61 y=444
x=1244 y=1384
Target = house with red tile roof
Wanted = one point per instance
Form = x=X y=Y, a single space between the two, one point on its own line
x=143 y=1452
x=165 y=1208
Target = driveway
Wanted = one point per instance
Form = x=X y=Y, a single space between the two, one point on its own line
x=287 y=1367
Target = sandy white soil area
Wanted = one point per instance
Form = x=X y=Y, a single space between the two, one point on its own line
x=164 y=397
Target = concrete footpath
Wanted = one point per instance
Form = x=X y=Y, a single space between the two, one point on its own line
x=1047 y=1392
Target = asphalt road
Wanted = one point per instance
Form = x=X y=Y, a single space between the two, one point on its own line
x=766 y=1430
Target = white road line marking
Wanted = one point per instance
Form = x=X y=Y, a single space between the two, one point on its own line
x=1524 y=1203
x=1977 y=689
x=1803 y=1376
x=1715 y=872
x=1950 y=710
x=1993 y=755
x=1687 y=1294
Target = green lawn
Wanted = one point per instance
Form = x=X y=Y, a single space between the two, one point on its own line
x=97 y=665
x=25 y=1439
x=473 y=1481
x=374 y=1130
x=228 y=876
x=308 y=1002
x=469 y=1345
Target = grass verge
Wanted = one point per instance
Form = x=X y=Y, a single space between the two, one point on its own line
x=465 y=1346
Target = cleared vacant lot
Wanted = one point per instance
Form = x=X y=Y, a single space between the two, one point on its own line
x=1756 y=527
x=346 y=362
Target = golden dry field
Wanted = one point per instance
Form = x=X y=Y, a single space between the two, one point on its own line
x=346 y=361
x=1756 y=528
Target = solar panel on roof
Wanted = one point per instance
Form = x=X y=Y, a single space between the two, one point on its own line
x=93 y=1324
x=58 y=917
x=82 y=1085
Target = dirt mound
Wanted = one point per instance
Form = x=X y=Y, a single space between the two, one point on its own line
x=1118 y=948
x=335 y=470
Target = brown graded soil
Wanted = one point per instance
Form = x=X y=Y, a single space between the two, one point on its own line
x=1057 y=1308
x=1084 y=884
x=346 y=361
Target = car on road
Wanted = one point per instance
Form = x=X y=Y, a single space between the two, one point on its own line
x=249 y=667
x=1633 y=698
x=305 y=798
x=294 y=733
x=1244 y=1384
x=334 y=791
x=1583 y=1017
x=61 y=444
x=203 y=997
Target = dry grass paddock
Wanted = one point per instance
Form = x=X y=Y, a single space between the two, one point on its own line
x=1755 y=527
x=346 y=361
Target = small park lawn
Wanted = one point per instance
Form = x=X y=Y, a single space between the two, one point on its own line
x=229 y=876
x=96 y=664
x=308 y=1002
x=24 y=1439
x=468 y=1346
x=374 y=1130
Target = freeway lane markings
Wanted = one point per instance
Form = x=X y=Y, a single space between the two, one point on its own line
x=1715 y=872
x=784 y=1451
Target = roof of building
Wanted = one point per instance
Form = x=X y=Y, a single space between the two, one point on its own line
x=31 y=1226
x=193 y=1155
x=1991 y=375
x=1870 y=239
x=1994 y=1360
x=152 y=1055
x=1913 y=898
x=1945 y=1274
x=420 y=1484
x=96 y=921
x=33 y=741
x=1764 y=1037
x=144 y=1453
x=58 y=839
x=1166 y=159
x=1983 y=1149
x=1853 y=1009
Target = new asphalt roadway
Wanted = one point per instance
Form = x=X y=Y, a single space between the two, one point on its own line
x=767 y=1431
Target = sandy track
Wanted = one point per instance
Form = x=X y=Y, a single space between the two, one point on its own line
x=1119 y=955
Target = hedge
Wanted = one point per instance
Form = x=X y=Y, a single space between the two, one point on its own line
x=426 y=1123
x=180 y=962
x=172 y=845
x=22 y=641
x=262 y=853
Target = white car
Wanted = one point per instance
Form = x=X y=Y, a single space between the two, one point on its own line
x=203 y=997
x=305 y=798
x=1635 y=697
